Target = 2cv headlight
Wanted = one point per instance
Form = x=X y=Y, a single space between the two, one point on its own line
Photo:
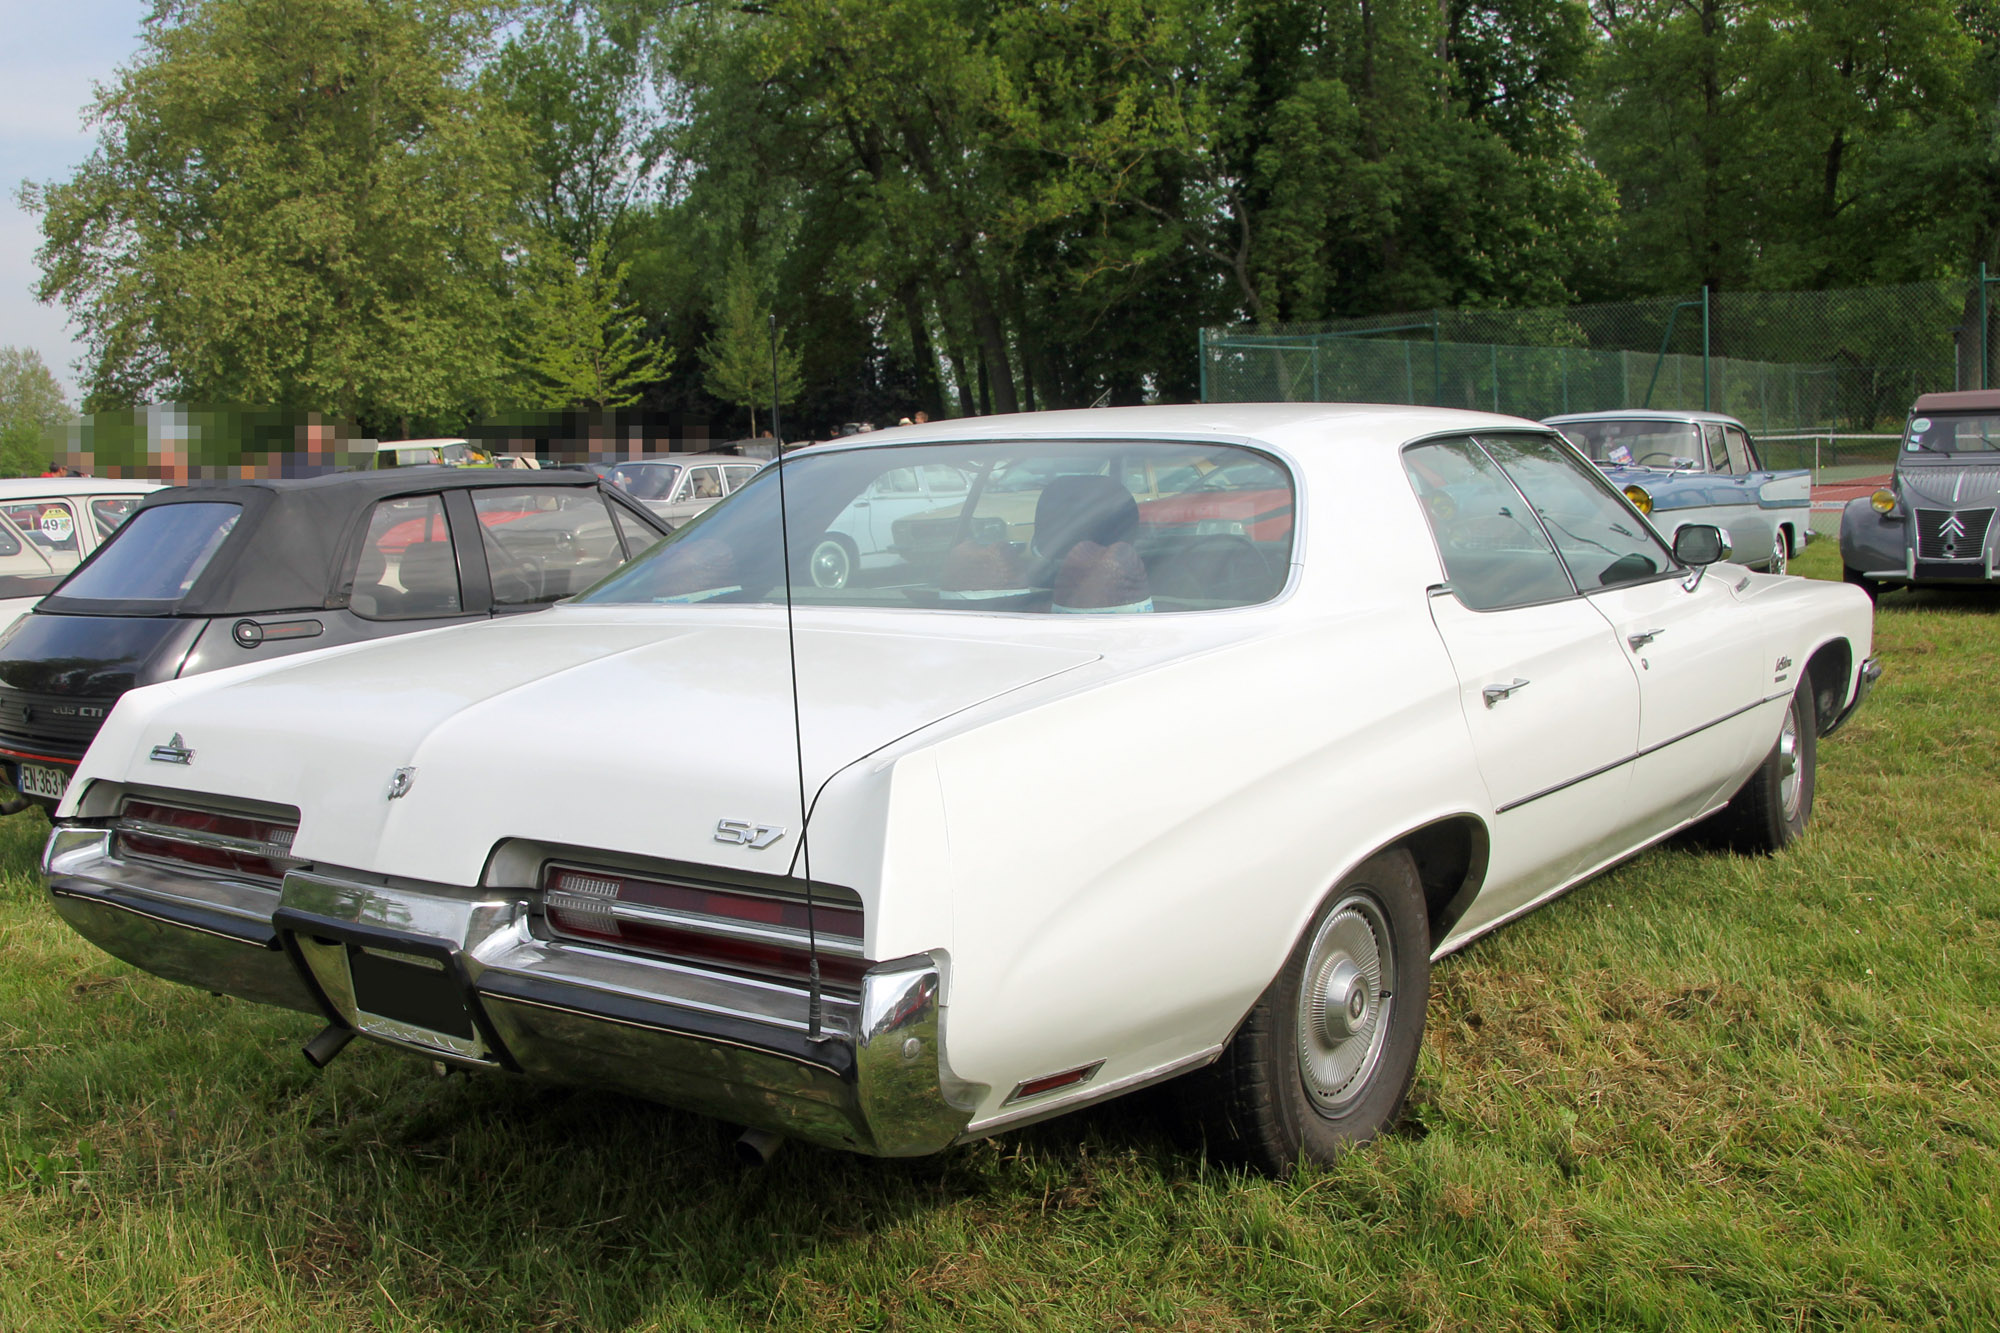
x=1640 y=500
x=1883 y=500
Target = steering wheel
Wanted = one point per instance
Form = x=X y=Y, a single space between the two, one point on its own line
x=1643 y=459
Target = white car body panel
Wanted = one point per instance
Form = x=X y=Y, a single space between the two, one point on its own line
x=1110 y=831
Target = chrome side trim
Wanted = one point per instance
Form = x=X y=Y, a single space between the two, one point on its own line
x=1864 y=681
x=1637 y=755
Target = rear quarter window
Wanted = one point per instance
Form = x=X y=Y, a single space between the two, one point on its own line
x=157 y=555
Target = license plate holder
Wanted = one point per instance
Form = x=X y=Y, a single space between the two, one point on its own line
x=405 y=989
x=43 y=780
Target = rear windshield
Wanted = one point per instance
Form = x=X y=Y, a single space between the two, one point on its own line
x=1117 y=528
x=157 y=555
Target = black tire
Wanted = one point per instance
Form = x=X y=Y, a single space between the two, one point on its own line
x=1254 y=1104
x=1771 y=810
x=1849 y=574
x=832 y=562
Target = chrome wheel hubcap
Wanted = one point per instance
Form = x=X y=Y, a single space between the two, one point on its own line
x=1781 y=554
x=1788 y=763
x=1344 y=1003
x=829 y=565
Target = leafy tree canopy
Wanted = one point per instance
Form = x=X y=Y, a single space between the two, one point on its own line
x=32 y=406
x=577 y=342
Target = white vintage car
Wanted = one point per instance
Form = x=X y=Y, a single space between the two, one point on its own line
x=1199 y=784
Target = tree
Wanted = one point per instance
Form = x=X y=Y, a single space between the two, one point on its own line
x=738 y=354
x=295 y=205
x=32 y=404
x=577 y=342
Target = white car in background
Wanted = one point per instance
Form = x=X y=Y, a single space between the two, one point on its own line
x=48 y=525
x=1126 y=784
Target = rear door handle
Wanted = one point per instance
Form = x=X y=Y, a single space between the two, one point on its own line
x=1643 y=637
x=1493 y=694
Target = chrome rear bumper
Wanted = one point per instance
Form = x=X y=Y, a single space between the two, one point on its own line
x=471 y=983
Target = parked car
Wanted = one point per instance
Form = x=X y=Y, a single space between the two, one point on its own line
x=1700 y=467
x=1084 y=811
x=1933 y=524
x=48 y=525
x=452 y=452
x=204 y=577
x=676 y=487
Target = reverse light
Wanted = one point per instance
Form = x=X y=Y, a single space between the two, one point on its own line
x=1640 y=500
x=1883 y=501
x=208 y=840
x=729 y=928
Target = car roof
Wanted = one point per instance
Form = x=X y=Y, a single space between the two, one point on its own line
x=1645 y=414
x=1300 y=429
x=1964 y=400
x=291 y=533
x=31 y=488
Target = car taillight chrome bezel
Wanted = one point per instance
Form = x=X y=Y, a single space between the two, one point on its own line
x=759 y=932
x=206 y=840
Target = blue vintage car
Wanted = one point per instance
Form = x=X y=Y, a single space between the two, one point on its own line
x=1700 y=467
x=1933 y=523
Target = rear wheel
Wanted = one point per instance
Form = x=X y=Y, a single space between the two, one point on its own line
x=1772 y=809
x=1326 y=1056
x=1781 y=552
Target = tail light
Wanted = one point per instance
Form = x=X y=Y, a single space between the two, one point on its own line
x=215 y=841
x=729 y=928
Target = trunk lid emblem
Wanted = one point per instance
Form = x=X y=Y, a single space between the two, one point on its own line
x=174 y=751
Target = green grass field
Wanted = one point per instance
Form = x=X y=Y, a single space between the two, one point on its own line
x=1701 y=1092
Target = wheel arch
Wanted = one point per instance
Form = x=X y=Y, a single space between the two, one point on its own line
x=1451 y=856
x=1830 y=669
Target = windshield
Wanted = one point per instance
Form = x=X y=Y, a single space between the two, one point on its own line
x=1954 y=433
x=1127 y=527
x=1636 y=442
x=157 y=555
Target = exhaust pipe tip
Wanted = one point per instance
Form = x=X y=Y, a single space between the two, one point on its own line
x=331 y=1041
x=758 y=1146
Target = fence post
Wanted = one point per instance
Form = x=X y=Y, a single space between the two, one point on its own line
x=1493 y=359
x=1982 y=324
x=1437 y=365
x=1201 y=342
x=1565 y=378
x=1706 y=405
x=1409 y=376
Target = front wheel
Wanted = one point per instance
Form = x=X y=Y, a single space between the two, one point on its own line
x=1771 y=810
x=1325 y=1058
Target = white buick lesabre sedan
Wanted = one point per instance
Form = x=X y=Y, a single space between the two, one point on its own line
x=1195 y=742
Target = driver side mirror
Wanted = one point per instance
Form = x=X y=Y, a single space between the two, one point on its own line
x=1700 y=544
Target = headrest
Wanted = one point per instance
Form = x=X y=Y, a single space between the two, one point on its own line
x=429 y=567
x=1083 y=508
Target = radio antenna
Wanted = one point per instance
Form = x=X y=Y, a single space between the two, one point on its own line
x=813 y=1005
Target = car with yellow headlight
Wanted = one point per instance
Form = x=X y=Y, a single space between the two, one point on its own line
x=1680 y=468
x=1933 y=523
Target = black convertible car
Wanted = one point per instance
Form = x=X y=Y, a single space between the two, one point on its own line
x=202 y=577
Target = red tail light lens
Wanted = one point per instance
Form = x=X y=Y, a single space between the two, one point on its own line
x=209 y=840
x=741 y=931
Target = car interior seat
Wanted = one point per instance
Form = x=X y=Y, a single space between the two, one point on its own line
x=429 y=575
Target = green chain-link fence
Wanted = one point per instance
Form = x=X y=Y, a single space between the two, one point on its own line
x=1822 y=377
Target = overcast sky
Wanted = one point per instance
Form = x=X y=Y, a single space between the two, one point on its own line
x=51 y=53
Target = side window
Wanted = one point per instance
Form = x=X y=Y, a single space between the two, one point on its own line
x=542 y=545
x=705 y=483
x=897 y=481
x=108 y=512
x=1718 y=453
x=407 y=570
x=736 y=476
x=51 y=526
x=944 y=479
x=1742 y=458
x=1495 y=554
x=1601 y=540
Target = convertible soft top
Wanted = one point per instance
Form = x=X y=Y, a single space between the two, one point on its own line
x=284 y=553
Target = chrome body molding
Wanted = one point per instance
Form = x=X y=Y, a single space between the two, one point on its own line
x=1864 y=681
x=875 y=1079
